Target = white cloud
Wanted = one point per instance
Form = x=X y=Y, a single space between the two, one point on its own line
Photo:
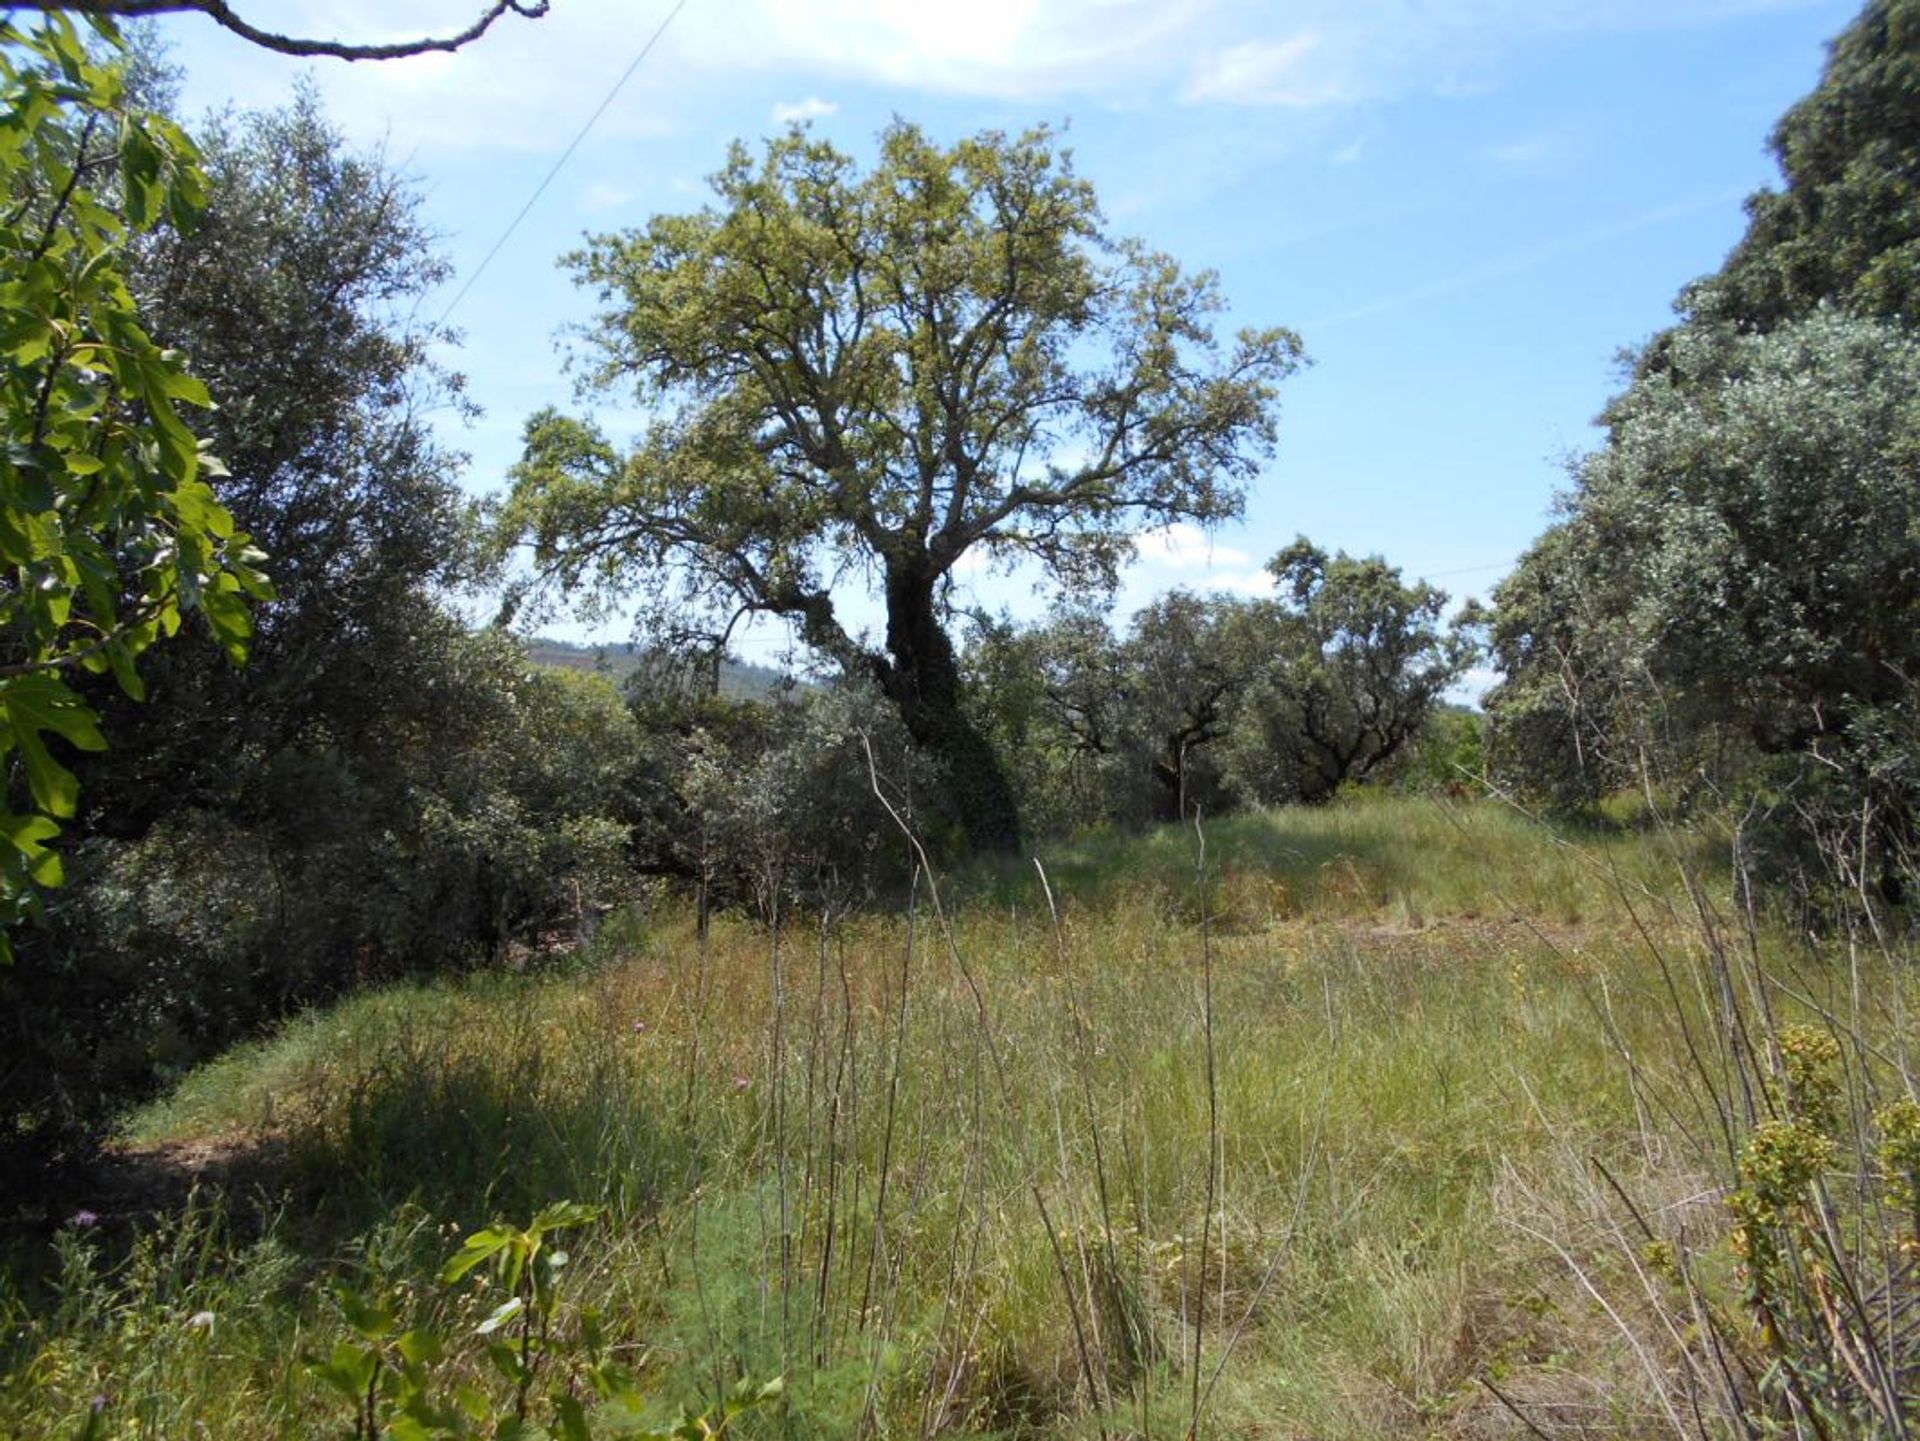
x=1244 y=582
x=530 y=84
x=1267 y=72
x=1350 y=153
x=602 y=195
x=1184 y=556
x=1184 y=546
x=1004 y=48
x=812 y=108
x=1307 y=53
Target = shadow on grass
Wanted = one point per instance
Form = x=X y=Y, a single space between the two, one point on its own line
x=472 y=1136
x=464 y=1134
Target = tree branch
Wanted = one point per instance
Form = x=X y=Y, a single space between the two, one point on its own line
x=222 y=14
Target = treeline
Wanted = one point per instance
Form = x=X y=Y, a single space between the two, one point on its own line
x=1729 y=609
x=1206 y=703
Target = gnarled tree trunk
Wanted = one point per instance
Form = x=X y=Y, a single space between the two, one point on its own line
x=922 y=677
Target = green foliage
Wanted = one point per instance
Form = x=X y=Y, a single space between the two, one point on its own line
x=1846 y=229
x=1822 y=1231
x=1756 y=527
x=1189 y=663
x=1447 y=757
x=769 y=802
x=1363 y=661
x=506 y=834
x=1055 y=701
x=110 y=533
x=1727 y=609
x=1212 y=702
x=378 y=791
x=402 y=1381
x=1559 y=718
x=1736 y=580
x=942 y=357
x=528 y=1269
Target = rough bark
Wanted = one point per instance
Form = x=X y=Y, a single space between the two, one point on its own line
x=922 y=677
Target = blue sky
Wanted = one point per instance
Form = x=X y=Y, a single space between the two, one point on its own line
x=1465 y=207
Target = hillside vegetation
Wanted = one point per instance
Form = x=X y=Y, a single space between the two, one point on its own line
x=738 y=679
x=1169 y=1025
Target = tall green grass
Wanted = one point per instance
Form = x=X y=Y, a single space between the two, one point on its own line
x=1374 y=856
x=827 y=1146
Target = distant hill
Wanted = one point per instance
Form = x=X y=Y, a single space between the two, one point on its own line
x=738 y=678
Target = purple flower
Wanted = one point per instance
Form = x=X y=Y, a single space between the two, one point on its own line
x=83 y=1219
x=740 y=1083
x=638 y=1027
x=98 y=1404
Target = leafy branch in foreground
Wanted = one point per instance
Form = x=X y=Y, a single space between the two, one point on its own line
x=224 y=15
x=109 y=533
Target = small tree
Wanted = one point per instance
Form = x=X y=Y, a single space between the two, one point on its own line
x=1559 y=729
x=1056 y=703
x=1362 y=659
x=1189 y=661
x=876 y=375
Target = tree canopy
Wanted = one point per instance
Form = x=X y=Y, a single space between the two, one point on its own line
x=1362 y=658
x=863 y=377
x=1208 y=702
x=1735 y=575
x=1845 y=229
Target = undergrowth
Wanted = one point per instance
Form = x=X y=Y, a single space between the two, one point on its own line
x=1347 y=1126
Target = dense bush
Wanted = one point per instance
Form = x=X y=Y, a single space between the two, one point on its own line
x=377 y=789
x=772 y=801
x=1727 y=610
x=500 y=813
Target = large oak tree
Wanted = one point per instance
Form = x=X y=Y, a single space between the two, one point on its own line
x=861 y=378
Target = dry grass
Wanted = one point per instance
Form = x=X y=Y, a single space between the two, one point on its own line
x=827 y=1149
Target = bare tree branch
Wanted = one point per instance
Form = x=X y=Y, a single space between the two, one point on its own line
x=222 y=14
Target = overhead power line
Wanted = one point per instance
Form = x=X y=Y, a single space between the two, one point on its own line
x=1467 y=570
x=565 y=156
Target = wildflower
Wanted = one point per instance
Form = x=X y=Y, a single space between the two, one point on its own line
x=83 y=1219
x=740 y=1083
x=201 y=1321
x=639 y=1027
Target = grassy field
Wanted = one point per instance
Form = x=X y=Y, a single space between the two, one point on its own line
x=1313 y=1132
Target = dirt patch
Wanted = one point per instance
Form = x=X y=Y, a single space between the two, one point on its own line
x=132 y=1183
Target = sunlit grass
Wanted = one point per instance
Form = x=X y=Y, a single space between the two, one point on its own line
x=1416 y=1059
